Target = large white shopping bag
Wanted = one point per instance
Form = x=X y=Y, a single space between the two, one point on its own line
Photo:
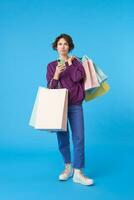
x=50 y=110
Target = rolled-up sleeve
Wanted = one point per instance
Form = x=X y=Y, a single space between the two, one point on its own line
x=51 y=82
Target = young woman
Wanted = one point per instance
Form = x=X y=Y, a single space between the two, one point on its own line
x=70 y=74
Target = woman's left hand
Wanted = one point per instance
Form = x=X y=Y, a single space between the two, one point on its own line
x=70 y=59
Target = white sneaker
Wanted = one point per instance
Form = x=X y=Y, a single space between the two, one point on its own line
x=67 y=173
x=78 y=177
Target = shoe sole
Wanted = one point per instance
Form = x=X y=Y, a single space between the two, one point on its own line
x=82 y=183
x=66 y=178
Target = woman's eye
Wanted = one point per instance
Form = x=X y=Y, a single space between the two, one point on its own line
x=63 y=44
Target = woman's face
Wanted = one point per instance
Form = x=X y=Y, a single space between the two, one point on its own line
x=62 y=46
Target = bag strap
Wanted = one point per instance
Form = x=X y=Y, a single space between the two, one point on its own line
x=59 y=85
x=79 y=59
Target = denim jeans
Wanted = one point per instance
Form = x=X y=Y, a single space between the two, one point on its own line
x=76 y=120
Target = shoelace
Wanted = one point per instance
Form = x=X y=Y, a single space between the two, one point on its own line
x=85 y=177
x=66 y=170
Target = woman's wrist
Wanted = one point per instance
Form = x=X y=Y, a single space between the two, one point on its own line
x=56 y=77
x=69 y=63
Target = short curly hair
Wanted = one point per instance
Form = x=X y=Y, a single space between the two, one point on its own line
x=67 y=38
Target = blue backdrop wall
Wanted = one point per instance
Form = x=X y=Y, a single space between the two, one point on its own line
x=104 y=31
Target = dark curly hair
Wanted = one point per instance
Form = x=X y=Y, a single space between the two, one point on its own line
x=67 y=38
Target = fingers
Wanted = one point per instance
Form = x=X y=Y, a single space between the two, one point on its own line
x=72 y=58
x=61 y=67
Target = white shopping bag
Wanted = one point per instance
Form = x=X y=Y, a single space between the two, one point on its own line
x=50 y=110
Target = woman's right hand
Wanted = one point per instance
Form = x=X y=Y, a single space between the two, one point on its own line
x=59 y=68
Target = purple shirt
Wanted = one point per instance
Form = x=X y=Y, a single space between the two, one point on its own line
x=72 y=78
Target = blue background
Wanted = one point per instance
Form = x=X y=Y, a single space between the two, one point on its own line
x=29 y=159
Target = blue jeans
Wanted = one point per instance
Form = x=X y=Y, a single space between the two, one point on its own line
x=76 y=120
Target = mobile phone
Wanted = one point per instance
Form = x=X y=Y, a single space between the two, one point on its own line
x=61 y=61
